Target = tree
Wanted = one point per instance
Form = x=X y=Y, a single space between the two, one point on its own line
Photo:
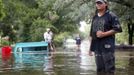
x=27 y=18
x=127 y=13
x=2 y=13
x=130 y=30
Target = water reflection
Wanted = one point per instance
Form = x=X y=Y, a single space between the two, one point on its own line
x=131 y=64
x=131 y=60
x=33 y=60
x=23 y=60
x=124 y=62
x=6 y=58
x=6 y=61
x=76 y=62
x=48 y=66
x=86 y=62
x=102 y=73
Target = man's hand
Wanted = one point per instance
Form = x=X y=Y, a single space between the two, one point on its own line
x=100 y=34
x=90 y=53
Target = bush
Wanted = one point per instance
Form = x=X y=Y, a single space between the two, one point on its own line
x=4 y=42
x=58 y=40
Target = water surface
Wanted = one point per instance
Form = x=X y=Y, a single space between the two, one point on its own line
x=64 y=62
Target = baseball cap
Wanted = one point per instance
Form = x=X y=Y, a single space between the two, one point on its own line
x=48 y=29
x=101 y=1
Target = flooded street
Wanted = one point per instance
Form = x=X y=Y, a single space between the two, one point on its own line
x=64 y=62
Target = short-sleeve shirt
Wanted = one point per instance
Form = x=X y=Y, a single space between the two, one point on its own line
x=109 y=21
x=48 y=36
x=78 y=40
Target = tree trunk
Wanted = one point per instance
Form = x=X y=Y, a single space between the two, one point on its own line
x=130 y=32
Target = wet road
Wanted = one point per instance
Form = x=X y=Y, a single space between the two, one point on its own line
x=64 y=62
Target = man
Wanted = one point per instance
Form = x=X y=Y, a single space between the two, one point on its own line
x=78 y=41
x=48 y=36
x=105 y=25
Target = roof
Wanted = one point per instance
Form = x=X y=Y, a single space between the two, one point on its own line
x=31 y=44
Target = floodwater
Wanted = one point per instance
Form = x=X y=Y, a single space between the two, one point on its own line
x=64 y=62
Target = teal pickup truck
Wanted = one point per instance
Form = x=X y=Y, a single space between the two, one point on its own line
x=27 y=52
x=31 y=47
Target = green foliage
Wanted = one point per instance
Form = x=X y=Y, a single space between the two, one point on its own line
x=2 y=12
x=121 y=38
x=4 y=42
x=60 y=38
x=27 y=20
x=38 y=28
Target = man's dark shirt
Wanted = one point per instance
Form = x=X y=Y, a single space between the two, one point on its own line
x=109 y=21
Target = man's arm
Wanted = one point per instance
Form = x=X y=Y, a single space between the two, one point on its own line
x=101 y=34
x=90 y=52
x=45 y=36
